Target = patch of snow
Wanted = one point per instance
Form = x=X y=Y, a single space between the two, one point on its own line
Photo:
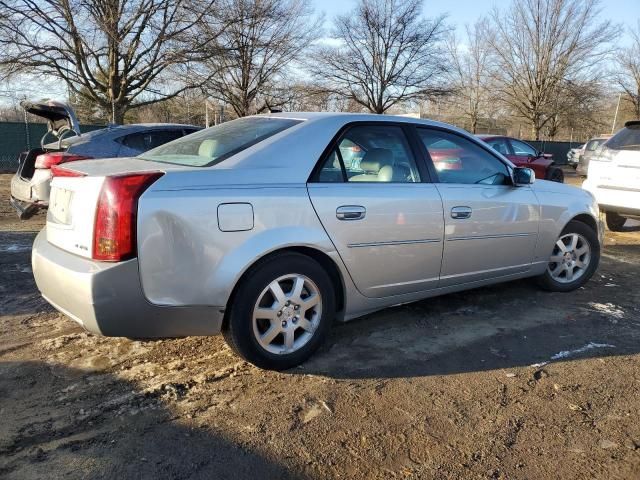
x=15 y=247
x=588 y=346
x=607 y=309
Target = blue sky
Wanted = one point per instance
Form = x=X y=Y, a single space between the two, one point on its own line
x=626 y=12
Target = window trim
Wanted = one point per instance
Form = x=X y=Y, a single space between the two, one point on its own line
x=471 y=139
x=407 y=130
x=535 y=150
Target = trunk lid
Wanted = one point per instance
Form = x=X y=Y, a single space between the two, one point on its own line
x=71 y=214
x=60 y=116
x=624 y=171
x=73 y=200
x=616 y=169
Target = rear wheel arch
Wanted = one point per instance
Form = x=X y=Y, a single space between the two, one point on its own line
x=326 y=262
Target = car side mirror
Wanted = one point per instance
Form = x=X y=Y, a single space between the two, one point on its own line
x=523 y=176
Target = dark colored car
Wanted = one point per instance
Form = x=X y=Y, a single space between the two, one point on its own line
x=64 y=143
x=522 y=154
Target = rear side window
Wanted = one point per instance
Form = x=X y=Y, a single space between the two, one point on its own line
x=371 y=153
x=626 y=139
x=459 y=160
x=499 y=145
x=146 y=140
x=213 y=145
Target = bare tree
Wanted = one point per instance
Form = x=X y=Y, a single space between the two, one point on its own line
x=628 y=76
x=540 y=45
x=257 y=50
x=386 y=53
x=113 y=53
x=469 y=72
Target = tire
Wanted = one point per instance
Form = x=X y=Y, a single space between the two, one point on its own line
x=555 y=174
x=244 y=333
x=555 y=283
x=615 y=222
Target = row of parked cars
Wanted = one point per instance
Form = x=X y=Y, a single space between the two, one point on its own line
x=268 y=228
x=611 y=165
x=64 y=142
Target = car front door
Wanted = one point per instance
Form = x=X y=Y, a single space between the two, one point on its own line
x=380 y=211
x=523 y=153
x=491 y=227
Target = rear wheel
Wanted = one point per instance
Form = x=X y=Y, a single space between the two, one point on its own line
x=282 y=312
x=555 y=174
x=574 y=259
x=615 y=222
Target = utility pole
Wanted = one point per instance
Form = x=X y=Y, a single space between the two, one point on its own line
x=615 y=117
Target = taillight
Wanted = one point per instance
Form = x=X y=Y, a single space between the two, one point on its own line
x=57 y=171
x=114 y=234
x=48 y=160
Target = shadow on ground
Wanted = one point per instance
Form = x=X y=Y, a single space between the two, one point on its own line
x=499 y=327
x=66 y=423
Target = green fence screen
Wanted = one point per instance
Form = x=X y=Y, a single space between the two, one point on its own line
x=16 y=137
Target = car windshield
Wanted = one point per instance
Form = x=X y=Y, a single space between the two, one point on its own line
x=213 y=145
x=626 y=139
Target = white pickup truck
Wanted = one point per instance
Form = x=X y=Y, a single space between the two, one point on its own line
x=614 y=176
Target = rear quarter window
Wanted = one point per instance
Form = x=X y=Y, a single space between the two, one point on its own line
x=626 y=139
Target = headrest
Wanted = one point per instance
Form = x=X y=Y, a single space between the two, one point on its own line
x=375 y=159
x=210 y=148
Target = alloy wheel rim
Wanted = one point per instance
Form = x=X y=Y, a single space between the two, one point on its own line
x=287 y=314
x=570 y=258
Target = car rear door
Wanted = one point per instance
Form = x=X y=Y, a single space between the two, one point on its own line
x=491 y=227
x=379 y=209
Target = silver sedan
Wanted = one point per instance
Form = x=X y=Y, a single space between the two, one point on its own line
x=269 y=228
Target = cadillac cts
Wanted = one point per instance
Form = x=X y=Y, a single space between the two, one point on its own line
x=268 y=228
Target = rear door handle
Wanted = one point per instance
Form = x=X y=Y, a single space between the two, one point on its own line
x=350 y=212
x=460 y=213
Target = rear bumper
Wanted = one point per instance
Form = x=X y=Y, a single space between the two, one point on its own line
x=625 y=201
x=25 y=210
x=29 y=195
x=107 y=298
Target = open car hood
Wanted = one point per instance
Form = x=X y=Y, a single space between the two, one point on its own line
x=60 y=117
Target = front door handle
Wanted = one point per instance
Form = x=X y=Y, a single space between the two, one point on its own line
x=350 y=212
x=460 y=213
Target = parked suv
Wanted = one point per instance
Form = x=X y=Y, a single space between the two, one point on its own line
x=591 y=150
x=30 y=185
x=614 y=176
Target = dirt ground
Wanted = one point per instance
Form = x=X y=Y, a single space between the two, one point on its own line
x=500 y=382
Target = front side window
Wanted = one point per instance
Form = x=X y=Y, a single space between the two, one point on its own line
x=213 y=145
x=521 y=148
x=459 y=160
x=371 y=153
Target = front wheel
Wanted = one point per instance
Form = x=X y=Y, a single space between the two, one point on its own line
x=555 y=174
x=574 y=259
x=282 y=312
x=615 y=222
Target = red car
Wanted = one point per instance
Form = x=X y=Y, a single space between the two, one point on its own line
x=522 y=154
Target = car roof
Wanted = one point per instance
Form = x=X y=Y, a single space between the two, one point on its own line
x=349 y=117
